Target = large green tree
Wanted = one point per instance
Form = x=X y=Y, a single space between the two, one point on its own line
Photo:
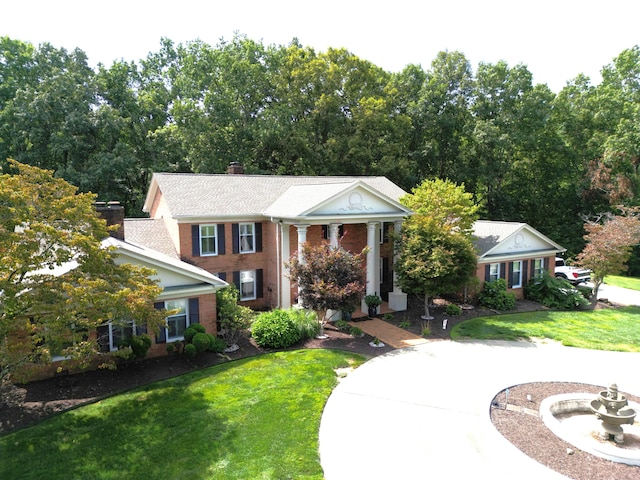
x=57 y=281
x=435 y=251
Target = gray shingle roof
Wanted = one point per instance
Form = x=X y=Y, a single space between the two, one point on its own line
x=151 y=233
x=488 y=234
x=201 y=195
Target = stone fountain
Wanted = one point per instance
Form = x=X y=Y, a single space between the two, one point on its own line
x=610 y=409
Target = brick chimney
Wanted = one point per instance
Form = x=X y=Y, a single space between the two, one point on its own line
x=113 y=213
x=235 y=168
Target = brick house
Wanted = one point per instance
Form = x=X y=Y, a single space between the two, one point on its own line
x=514 y=251
x=244 y=228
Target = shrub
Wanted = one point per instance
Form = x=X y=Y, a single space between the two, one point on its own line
x=190 y=350
x=216 y=344
x=275 y=329
x=343 y=325
x=201 y=341
x=405 y=325
x=139 y=345
x=235 y=320
x=426 y=331
x=453 y=309
x=555 y=292
x=494 y=295
x=306 y=321
x=191 y=330
x=356 y=332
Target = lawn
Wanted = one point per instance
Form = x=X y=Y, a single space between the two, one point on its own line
x=255 y=418
x=624 y=282
x=604 y=329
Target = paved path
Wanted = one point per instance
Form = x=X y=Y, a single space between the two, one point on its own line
x=389 y=334
x=423 y=412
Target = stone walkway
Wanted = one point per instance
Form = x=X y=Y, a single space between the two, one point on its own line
x=389 y=334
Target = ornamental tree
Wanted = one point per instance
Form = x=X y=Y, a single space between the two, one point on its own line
x=58 y=283
x=435 y=251
x=329 y=278
x=609 y=244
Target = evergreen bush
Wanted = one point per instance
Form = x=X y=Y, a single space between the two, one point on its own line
x=494 y=295
x=275 y=329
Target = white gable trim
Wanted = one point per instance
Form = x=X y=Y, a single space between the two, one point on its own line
x=525 y=242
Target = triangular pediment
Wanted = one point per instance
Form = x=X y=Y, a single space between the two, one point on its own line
x=334 y=200
x=502 y=239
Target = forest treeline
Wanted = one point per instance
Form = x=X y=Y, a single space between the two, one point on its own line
x=525 y=153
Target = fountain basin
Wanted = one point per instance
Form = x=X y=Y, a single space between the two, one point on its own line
x=569 y=417
x=623 y=417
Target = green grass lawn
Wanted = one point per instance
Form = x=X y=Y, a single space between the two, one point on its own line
x=605 y=329
x=256 y=418
x=624 y=282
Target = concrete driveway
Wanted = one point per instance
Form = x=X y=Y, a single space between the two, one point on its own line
x=423 y=412
x=620 y=296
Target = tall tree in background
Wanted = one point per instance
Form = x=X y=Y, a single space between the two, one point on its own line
x=57 y=281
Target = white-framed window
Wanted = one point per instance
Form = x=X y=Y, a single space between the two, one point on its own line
x=118 y=333
x=247 y=238
x=538 y=267
x=494 y=272
x=516 y=274
x=248 y=285
x=208 y=240
x=179 y=321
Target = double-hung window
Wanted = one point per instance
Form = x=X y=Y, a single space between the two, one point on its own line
x=179 y=321
x=247 y=238
x=118 y=333
x=516 y=274
x=494 y=272
x=538 y=268
x=208 y=240
x=248 y=285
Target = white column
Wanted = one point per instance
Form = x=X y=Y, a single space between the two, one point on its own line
x=302 y=238
x=334 y=230
x=285 y=300
x=397 y=298
x=373 y=257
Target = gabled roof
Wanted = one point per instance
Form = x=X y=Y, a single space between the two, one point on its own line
x=329 y=199
x=224 y=195
x=495 y=239
x=189 y=275
x=151 y=233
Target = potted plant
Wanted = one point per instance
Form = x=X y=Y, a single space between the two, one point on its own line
x=372 y=302
x=347 y=311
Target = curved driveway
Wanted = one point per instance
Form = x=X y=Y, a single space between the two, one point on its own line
x=423 y=412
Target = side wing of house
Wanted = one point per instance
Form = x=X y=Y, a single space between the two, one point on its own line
x=186 y=289
x=513 y=251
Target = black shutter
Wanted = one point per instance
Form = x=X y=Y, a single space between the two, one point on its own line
x=503 y=270
x=220 y=231
x=194 y=311
x=235 y=234
x=259 y=283
x=222 y=276
x=546 y=264
x=525 y=271
x=511 y=275
x=162 y=335
x=487 y=273
x=195 y=240
x=258 y=232
x=236 y=279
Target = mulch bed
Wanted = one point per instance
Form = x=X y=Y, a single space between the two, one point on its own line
x=31 y=403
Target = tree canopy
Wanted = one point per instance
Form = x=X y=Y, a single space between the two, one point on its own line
x=435 y=250
x=523 y=152
x=57 y=280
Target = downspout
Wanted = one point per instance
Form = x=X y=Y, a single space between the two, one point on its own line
x=279 y=265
